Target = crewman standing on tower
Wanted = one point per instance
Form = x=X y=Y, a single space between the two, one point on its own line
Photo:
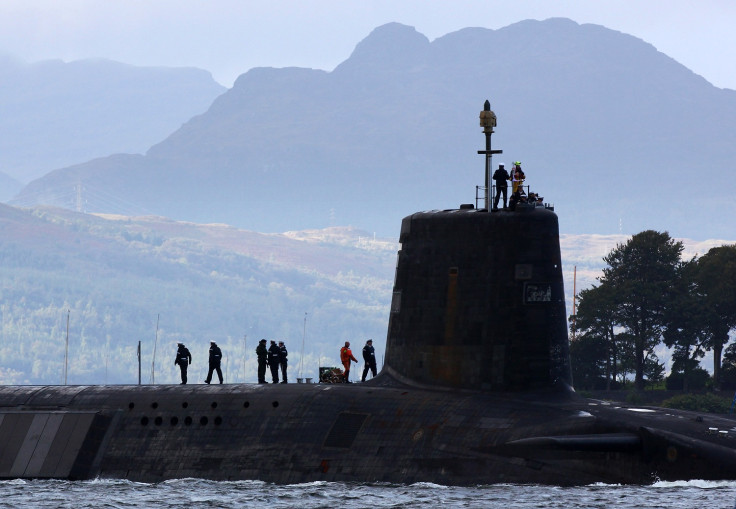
x=346 y=355
x=500 y=177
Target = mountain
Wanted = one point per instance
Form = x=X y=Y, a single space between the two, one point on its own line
x=54 y=114
x=617 y=135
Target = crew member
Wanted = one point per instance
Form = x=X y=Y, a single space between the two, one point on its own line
x=500 y=177
x=346 y=355
x=517 y=178
x=369 y=357
x=183 y=359
x=282 y=360
x=262 y=354
x=215 y=357
x=274 y=358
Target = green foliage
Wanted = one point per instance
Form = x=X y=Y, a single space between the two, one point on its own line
x=653 y=370
x=647 y=296
x=587 y=357
x=628 y=311
x=716 y=284
x=695 y=379
x=640 y=273
x=699 y=403
x=728 y=370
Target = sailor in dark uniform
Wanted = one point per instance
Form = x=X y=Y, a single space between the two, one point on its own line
x=183 y=360
x=262 y=353
x=282 y=360
x=369 y=357
x=274 y=359
x=215 y=357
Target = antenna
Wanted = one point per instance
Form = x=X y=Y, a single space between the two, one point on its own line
x=66 y=351
x=79 y=195
x=153 y=362
x=139 y=362
x=304 y=335
x=574 y=296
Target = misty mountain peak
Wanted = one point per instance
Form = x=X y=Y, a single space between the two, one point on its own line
x=394 y=129
x=390 y=46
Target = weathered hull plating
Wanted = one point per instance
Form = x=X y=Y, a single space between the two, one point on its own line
x=368 y=432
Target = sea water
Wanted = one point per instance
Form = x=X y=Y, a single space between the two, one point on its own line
x=198 y=493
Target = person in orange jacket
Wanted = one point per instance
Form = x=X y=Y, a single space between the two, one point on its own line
x=346 y=355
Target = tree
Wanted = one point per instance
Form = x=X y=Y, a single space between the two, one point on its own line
x=587 y=357
x=728 y=371
x=685 y=329
x=687 y=375
x=716 y=284
x=594 y=324
x=641 y=273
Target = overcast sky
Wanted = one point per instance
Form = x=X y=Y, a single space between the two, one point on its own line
x=228 y=37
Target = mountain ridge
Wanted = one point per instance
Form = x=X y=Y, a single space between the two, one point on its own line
x=56 y=112
x=609 y=129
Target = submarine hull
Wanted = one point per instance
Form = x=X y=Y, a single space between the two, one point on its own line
x=382 y=431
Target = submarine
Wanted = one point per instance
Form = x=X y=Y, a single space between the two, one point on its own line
x=476 y=389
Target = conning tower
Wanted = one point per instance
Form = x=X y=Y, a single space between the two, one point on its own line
x=478 y=299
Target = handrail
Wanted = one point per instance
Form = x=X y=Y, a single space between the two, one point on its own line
x=481 y=191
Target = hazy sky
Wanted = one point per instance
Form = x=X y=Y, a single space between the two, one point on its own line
x=228 y=37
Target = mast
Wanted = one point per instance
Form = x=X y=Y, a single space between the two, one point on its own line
x=66 y=350
x=139 y=362
x=488 y=122
x=574 y=296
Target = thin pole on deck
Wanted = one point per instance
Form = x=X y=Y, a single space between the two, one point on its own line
x=66 y=348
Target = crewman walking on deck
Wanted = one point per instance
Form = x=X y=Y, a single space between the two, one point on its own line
x=369 y=357
x=215 y=357
x=183 y=360
x=274 y=359
x=346 y=355
x=262 y=354
x=282 y=360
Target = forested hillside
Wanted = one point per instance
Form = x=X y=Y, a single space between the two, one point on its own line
x=115 y=278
